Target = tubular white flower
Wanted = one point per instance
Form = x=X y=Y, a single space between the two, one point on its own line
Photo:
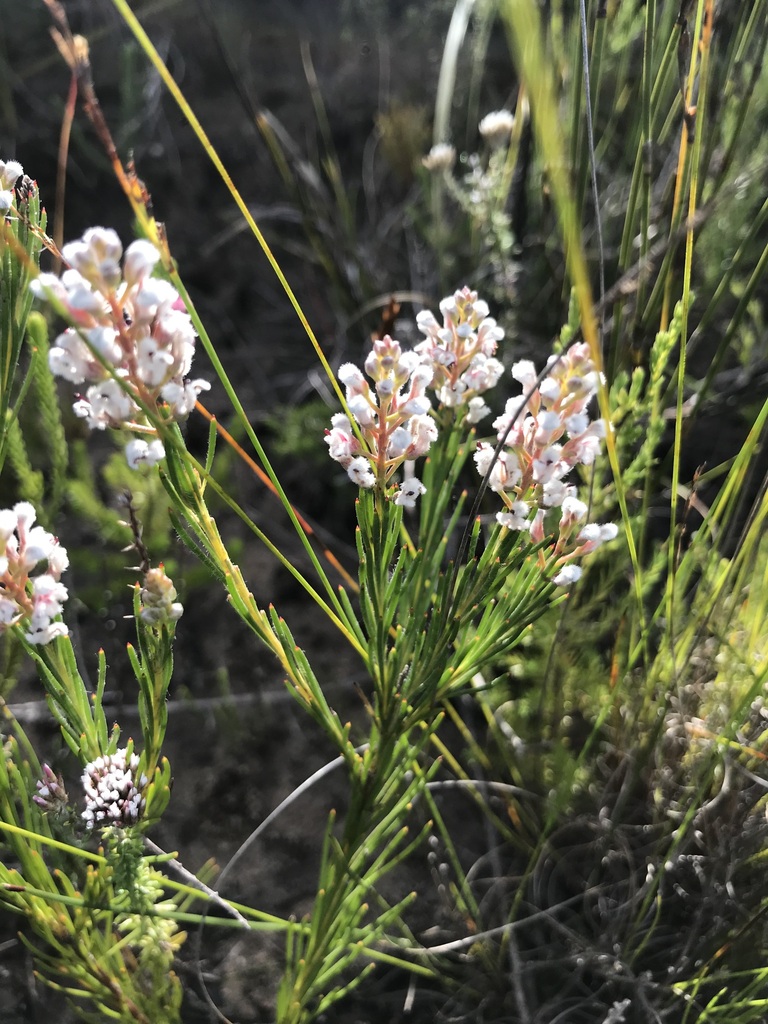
x=359 y=472
x=477 y=409
x=515 y=518
x=142 y=453
x=141 y=257
x=568 y=575
x=410 y=490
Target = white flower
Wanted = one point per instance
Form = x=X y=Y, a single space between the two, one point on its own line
x=8 y=521
x=568 y=574
x=593 y=535
x=10 y=171
x=477 y=409
x=96 y=256
x=352 y=379
x=69 y=358
x=555 y=493
x=409 y=491
x=104 y=341
x=515 y=518
x=153 y=297
x=452 y=394
x=39 y=546
x=548 y=423
x=34 y=601
x=25 y=514
x=9 y=611
x=361 y=408
x=109 y=404
x=153 y=363
x=359 y=472
x=497 y=127
x=423 y=432
x=399 y=442
x=549 y=389
x=441 y=157
x=44 y=633
x=573 y=511
x=142 y=453
x=341 y=441
x=548 y=465
x=182 y=397
x=48 y=597
x=140 y=259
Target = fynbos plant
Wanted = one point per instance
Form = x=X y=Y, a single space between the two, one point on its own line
x=469 y=542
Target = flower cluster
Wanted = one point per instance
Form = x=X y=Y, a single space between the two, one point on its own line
x=392 y=418
x=461 y=351
x=112 y=792
x=51 y=795
x=10 y=171
x=37 y=601
x=132 y=340
x=158 y=599
x=547 y=432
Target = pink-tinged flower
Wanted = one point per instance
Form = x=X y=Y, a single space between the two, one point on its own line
x=341 y=441
x=594 y=535
x=391 y=412
x=460 y=351
x=127 y=325
x=36 y=601
x=51 y=796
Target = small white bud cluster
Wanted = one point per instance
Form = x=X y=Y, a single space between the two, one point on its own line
x=158 y=599
x=496 y=127
x=440 y=158
x=131 y=338
x=10 y=172
x=37 y=601
x=112 y=792
x=461 y=351
x=392 y=416
x=547 y=432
